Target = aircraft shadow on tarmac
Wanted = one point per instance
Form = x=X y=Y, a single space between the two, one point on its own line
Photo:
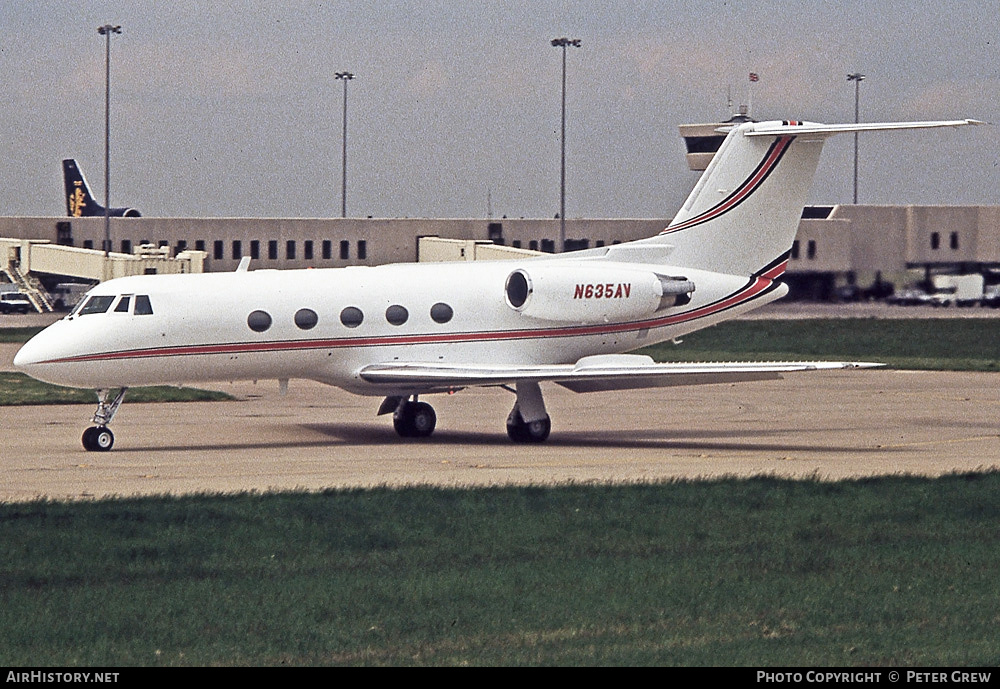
x=707 y=440
x=342 y=435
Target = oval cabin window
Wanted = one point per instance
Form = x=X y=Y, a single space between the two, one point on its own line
x=306 y=319
x=441 y=313
x=259 y=321
x=396 y=314
x=351 y=317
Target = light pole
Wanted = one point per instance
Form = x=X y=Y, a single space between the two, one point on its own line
x=345 y=77
x=106 y=31
x=563 y=43
x=857 y=78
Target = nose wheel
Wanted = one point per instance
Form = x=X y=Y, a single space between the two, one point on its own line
x=99 y=438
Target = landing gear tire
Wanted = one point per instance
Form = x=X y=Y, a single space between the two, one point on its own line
x=98 y=439
x=414 y=420
x=521 y=431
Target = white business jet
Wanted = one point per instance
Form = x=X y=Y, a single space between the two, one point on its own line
x=401 y=331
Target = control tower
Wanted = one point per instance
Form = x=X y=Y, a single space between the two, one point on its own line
x=703 y=140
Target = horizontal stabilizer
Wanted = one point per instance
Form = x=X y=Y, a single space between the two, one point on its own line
x=590 y=374
x=798 y=128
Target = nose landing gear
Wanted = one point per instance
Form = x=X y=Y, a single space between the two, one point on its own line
x=99 y=438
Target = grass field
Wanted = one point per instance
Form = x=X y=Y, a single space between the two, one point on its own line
x=760 y=572
x=955 y=344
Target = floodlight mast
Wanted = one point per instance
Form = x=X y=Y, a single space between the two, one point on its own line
x=563 y=43
x=857 y=78
x=106 y=31
x=345 y=77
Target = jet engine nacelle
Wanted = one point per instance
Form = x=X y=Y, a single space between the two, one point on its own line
x=593 y=293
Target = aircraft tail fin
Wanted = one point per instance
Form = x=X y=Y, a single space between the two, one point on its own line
x=742 y=216
x=80 y=202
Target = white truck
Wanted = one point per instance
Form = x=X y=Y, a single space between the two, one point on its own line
x=958 y=290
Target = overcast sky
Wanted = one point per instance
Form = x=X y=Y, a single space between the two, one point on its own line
x=228 y=108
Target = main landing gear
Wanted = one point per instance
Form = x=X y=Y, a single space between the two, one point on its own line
x=99 y=438
x=527 y=422
x=411 y=419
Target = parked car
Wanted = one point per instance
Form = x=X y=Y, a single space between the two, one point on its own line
x=991 y=297
x=910 y=296
x=15 y=302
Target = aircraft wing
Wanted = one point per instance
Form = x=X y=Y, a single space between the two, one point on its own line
x=589 y=374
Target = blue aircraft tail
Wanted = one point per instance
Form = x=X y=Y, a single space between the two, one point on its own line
x=80 y=202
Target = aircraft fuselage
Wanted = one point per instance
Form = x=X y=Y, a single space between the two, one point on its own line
x=327 y=324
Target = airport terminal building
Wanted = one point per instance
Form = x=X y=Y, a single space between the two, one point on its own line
x=836 y=245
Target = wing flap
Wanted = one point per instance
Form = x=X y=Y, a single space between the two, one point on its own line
x=590 y=374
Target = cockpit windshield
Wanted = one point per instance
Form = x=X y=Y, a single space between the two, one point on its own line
x=138 y=305
x=96 y=304
x=143 y=307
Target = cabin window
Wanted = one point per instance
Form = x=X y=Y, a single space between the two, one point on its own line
x=98 y=304
x=123 y=304
x=352 y=317
x=143 y=307
x=306 y=319
x=441 y=313
x=259 y=321
x=396 y=314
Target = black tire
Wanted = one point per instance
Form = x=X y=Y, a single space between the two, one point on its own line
x=98 y=439
x=534 y=432
x=423 y=420
x=88 y=439
x=414 y=420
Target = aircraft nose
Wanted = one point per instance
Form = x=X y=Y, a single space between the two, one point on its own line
x=27 y=356
x=34 y=354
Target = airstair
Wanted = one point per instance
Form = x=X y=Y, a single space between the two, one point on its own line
x=30 y=287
